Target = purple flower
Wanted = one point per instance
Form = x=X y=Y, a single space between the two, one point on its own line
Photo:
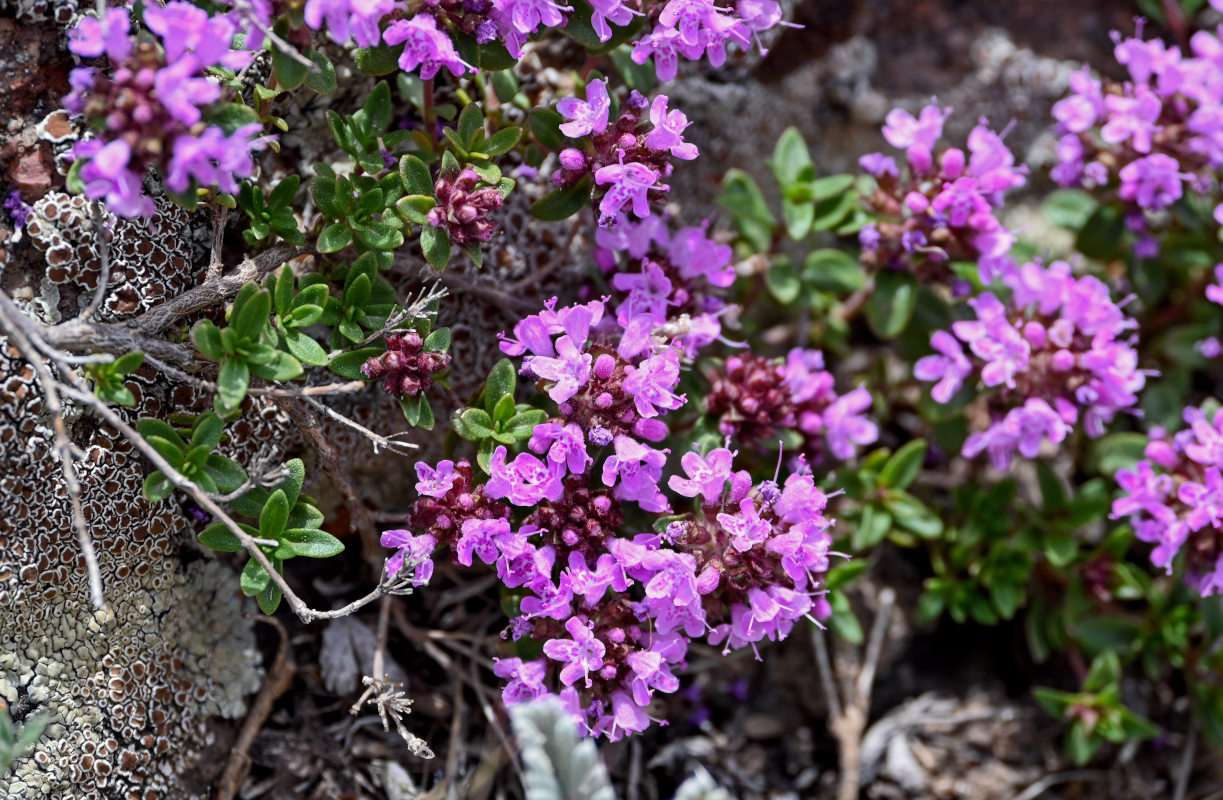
x=564 y=444
x=949 y=369
x=526 y=679
x=527 y=15
x=526 y=481
x=629 y=184
x=650 y=383
x=92 y=37
x=661 y=44
x=695 y=254
x=650 y=672
x=904 y=131
x=707 y=476
x=846 y=426
x=182 y=95
x=610 y=11
x=746 y=528
x=424 y=46
x=878 y=165
x=649 y=294
x=591 y=585
x=17 y=208
x=569 y=371
x=589 y=115
x=356 y=19
x=1153 y=182
x=107 y=175
x=668 y=130
x=435 y=482
x=1132 y=118
x=414 y=550
x=481 y=536
x=580 y=654
x=187 y=30
x=635 y=469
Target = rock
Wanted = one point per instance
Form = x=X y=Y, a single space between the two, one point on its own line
x=32 y=174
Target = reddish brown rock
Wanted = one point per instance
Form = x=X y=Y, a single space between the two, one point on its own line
x=32 y=174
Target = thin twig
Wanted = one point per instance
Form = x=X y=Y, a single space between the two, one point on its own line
x=347 y=387
x=376 y=439
x=417 y=309
x=824 y=666
x=10 y=317
x=1041 y=786
x=1186 y=766
x=280 y=677
x=220 y=216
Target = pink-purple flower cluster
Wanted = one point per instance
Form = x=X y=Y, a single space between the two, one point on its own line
x=1174 y=499
x=693 y=29
x=616 y=608
x=627 y=164
x=942 y=206
x=1152 y=137
x=1060 y=353
x=754 y=398
x=150 y=110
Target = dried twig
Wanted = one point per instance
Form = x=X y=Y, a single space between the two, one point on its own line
x=280 y=677
x=1041 y=786
x=1185 y=769
x=13 y=321
x=380 y=442
x=847 y=717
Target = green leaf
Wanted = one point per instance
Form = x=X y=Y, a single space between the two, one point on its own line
x=381 y=236
x=545 y=125
x=1102 y=235
x=218 y=537
x=229 y=117
x=844 y=622
x=580 y=28
x=1098 y=634
x=502 y=380
x=871 y=529
x=563 y=203
x=288 y=71
x=783 y=281
x=502 y=141
x=471 y=122
x=282 y=367
x=232 y=381
x=254 y=578
x=207 y=339
x=903 y=467
x=891 y=305
x=157 y=487
x=415 y=208
x=844 y=573
x=438 y=340
x=228 y=475
x=323 y=80
x=435 y=244
x=324 y=190
x=377 y=60
x=799 y=218
x=348 y=365
x=415 y=176
x=411 y=408
x=312 y=543
x=306 y=349
x=251 y=310
x=269 y=598
x=1118 y=451
x=426 y=420
x=1069 y=208
x=833 y=271
x=913 y=514
x=476 y=424
x=334 y=237
x=274 y=515
x=1080 y=747
x=503 y=411
x=791 y=162
x=745 y=202
x=207 y=431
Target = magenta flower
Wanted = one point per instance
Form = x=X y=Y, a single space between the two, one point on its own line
x=424 y=46
x=746 y=528
x=629 y=184
x=480 y=536
x=668 y=130
x=1153 y=182
x=580 y=654
x=1132 y=118
x=108 y=176
x=606 y=11
x=847 y=426
x=564 y=444
x=650 y=384
x=435 y=482
x=569 y=371
x=413 y=550
x=527 y=15
x=525 y=679
x=949 y=369
x=634 y=470
x=110 y=35
x=355 y=19
x=589 y=115
x=525 y=481
x=662 y=45
x=707 y=476
x=904 y=131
